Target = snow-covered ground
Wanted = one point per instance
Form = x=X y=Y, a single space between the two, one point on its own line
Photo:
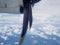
x=45 y=29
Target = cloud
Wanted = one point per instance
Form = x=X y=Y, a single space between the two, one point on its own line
x=35 y=42
x=9 y=34
x=16 y=43
x=4 y=37
x=37 y=33
x=1 y=43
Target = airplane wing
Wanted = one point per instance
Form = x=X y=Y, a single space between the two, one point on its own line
x=10 y=6
x=27 y=18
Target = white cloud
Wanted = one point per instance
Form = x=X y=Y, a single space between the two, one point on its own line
x=37 y=33
x=1 y=43
x=16 y=43
x=35 y=42
x=49 y=29
x=4 y=37
x=17 y=31
x=9 y=34
x=54 y=38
